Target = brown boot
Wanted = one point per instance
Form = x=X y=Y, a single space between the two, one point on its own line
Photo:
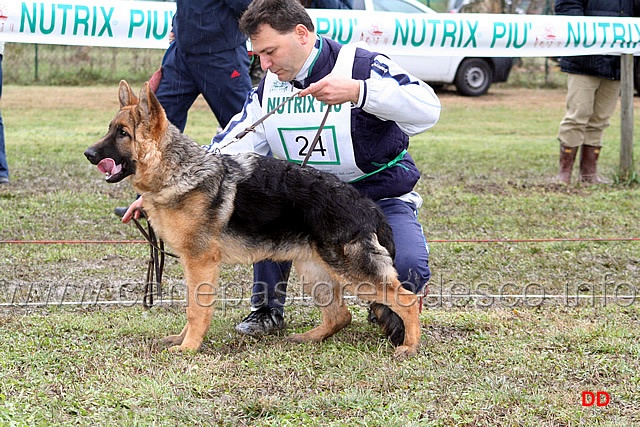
x=589 y=165
x=567 y=158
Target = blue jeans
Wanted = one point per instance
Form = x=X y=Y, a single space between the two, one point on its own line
x=222 y=78
x=412 y=258
x=4 y=166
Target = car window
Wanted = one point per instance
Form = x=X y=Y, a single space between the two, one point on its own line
x=395 y=6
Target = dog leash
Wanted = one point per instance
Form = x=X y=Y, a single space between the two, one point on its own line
x=155 y=265
x=316 y=138
x=252 y=128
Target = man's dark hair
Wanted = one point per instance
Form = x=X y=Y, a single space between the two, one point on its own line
x=281 y=15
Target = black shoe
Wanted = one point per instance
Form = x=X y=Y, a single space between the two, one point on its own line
x=120 y=211
x=390 y=323
x=262 y=321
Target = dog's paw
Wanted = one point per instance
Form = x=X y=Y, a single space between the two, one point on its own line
x=170 y=342
x=405 y=352
x=182 y=349
x=302 y=338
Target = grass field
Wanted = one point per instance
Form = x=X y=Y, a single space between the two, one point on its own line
x=494 y=351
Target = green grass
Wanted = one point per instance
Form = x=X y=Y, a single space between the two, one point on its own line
x=493 y=353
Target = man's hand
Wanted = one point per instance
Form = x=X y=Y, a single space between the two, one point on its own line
x=334 y=90
x=133 y=211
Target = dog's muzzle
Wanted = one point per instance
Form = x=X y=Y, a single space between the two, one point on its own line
x=113 y=171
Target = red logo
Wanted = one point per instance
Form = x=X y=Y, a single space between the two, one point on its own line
x=599 y=398
x=235 y=74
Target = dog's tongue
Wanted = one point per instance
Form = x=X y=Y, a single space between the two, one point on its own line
x=108 y=167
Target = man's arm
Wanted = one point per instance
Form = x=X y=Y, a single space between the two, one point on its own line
x=390 y=93
x=238 y=6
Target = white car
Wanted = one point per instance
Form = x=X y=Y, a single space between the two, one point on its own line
x=471 y=76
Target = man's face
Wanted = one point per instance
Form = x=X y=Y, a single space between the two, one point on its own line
x=282 y=54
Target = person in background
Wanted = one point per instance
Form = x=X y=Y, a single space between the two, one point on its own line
x=4 y=166
x=328 y=4
x=593 y=84
x=208 y=56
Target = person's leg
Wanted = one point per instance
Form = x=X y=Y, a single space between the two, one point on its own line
x=268 y=298
x=270 y=284
x=604 y=104
x=580 y=100
x=223 y=79
x=412 y=251
x=177 y=90
x=581 y=94
x=606 y=99
x=4 y=165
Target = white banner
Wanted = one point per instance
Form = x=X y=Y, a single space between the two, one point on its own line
x=141 y=24
x=146 y=24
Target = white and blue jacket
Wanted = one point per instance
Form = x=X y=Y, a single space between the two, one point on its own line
x=365 y=144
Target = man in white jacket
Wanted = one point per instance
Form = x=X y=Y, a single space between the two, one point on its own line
x=376 y=107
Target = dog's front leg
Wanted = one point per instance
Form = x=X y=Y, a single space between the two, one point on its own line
x=201 y=276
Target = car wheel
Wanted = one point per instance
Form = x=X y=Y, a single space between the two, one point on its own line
x=474 y=77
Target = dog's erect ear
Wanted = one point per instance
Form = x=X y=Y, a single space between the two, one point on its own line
x=150 y=108
x=126 y=95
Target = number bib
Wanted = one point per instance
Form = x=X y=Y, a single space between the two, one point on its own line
x=291 y=130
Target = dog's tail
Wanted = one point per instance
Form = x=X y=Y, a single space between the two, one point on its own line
x=390 y=323
x=385 y=237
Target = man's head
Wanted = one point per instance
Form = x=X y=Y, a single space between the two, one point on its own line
x=282 y=34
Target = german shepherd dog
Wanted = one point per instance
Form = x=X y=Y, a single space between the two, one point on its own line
x=216 y=209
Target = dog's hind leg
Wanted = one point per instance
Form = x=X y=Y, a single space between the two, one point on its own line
x=327 y=294
x=369 y=263
x=201 y=276
x=405 y=304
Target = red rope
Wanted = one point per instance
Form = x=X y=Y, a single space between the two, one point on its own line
x=551 y=239
x=544 y=240
x=69 y=242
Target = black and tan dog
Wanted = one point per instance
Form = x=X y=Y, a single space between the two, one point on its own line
x=217 y=209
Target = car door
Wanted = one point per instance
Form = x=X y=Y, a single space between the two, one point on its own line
x=433 y=69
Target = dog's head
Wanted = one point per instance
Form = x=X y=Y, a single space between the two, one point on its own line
x=133 y=135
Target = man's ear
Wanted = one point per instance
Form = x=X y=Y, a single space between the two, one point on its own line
x=303 y=34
